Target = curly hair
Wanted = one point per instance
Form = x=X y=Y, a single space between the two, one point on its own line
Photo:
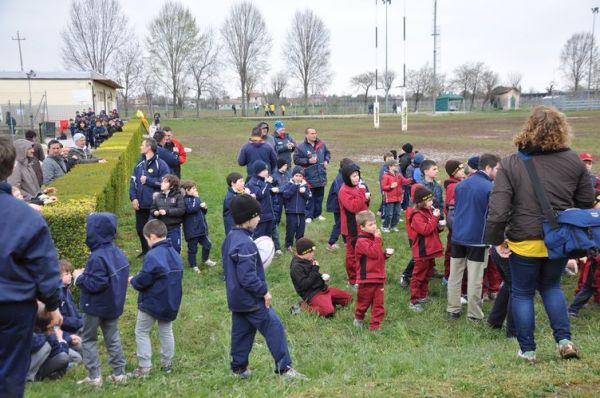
x=546 y=129
x=172 y=180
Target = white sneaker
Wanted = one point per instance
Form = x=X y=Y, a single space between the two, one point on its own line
x=210 y=263
x=385 y=230
x=278 y=253
x=196 y=270
x=117 y=378
x=308 y=220
x=395 y=229
x=464 y=301
x=358 y=323
x=321 y=218
x=97 y=382
x=292 y=374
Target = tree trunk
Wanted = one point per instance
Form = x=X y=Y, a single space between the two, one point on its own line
x=416 y=102
x=306 y=98
x=198 y=104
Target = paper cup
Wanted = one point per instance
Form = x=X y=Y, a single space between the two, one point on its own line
x=389 y=251
x=442 y=223
x=325 y=277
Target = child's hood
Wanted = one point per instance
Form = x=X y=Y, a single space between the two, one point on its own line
x=347 y=172
x=101 y=229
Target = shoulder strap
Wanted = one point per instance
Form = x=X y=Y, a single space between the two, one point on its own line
x=540 y=193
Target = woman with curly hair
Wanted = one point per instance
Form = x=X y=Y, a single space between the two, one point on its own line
x=515 y=218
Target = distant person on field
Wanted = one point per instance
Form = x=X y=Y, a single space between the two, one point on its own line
x=248 y=295
x=195 y=228
x=159 y=284
x=103 y=285
x=30 y=275
x=313 y=286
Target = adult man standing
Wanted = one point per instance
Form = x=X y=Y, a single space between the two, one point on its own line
x=468 y=238
x=172 y=143
x=28 y=271
x=54 y=165
x=264 y=132
x=257 y=149
x=145 y=182
x=314 y=157
x=170 y=157
x=80 y=152
x=284 y=143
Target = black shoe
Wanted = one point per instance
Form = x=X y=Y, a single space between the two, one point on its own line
x=453 y=316
x=404 y=281
x=477 y=320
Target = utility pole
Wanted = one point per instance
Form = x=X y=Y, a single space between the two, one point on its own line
x=594 y=12
x=19 y=39
x=376 y=103
x=30 y=75
x=435 y=35
x=385 y=77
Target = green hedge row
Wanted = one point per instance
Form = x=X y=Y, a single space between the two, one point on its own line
x=93 y=187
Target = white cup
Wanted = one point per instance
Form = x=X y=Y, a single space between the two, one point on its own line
x=325 y=277
x=302 y=189
x=442 y=223
x=389 y=251
x=275 y=190
x=203 y=205
x=368 y=195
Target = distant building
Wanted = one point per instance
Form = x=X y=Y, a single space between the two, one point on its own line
x=63 y=92
x=505 y=98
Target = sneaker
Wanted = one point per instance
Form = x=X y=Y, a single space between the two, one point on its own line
x=97 y=382
x=308 y=220
x=400 y=220
x=332 y=247
x=418 y=308
x=291 y=250
x=395 y=229
x=243 y=375
x=295 y=309
x=493 y=295
x=210 y=263
x=196 y=270
x=463 y=300
x=278 y=253
x=378 y=213
x=453 y=316
x=475 y=320
x=292 y=374
x=567 y=349
x=122 y=378
x=140 y=373
x=353 y=287
x=444 y=281
x=404 y=281
x=321 y=218
x=167 y=368
x=385 y=230
x=527 y=356
x=359 y=323
x=423 y=300
x=572 y=314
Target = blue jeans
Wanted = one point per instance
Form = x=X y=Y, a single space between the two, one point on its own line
x=391 y=214
x=528 y=275
x=502 y=308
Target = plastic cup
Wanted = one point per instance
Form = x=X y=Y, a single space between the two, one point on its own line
x=442 y=223
x=325 y=277
x=389 y=251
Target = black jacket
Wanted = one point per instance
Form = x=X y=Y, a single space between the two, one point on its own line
x=306 y=278
x=174 y=205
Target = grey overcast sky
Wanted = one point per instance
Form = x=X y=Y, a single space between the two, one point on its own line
x=524 y=36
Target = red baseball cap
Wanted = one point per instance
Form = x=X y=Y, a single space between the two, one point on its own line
x=585 y=156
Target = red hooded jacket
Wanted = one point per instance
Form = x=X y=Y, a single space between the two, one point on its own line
x=427 y=243
x=450 y=185
x=371 y=258
x=392 y=195
x=352 y=199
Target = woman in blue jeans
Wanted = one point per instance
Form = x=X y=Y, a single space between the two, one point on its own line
x=515 y=218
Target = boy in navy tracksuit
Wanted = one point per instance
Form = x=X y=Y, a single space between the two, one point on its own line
x=103 y=284
x=296 y=194
x=160 y=291
x=248 y=295
x=72 y=320
x=260 y=187
x=195 y=228
x=280 y=177
x=28 y=269
x=236 y=185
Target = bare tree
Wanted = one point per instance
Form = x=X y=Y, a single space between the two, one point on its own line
x=468 y=79
x=247 y=42
x=387 y=81
x=172 y=37
x=307 y=50
x=149 y=85
x=96 y=30
x=575 y=58
x=489 y=80
x=128 y=70
x=279 y=82
x=364 y=82
x=420 y=83
x=514 y=80
x=204 y=66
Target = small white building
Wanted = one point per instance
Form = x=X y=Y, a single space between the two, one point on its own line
x=59 y=94
x=505 y=98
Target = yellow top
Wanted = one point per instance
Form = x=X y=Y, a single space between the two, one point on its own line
x=529 y=248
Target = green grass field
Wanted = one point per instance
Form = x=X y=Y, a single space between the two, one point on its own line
x=414 y=355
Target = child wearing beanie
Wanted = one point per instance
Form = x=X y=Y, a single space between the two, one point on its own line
x=426 y=246
x=296 y=195
x=456 y=173
x=248 y=294
x=260 y=187
x=281 y=176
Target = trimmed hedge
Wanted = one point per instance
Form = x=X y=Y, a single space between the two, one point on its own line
x=93 y=187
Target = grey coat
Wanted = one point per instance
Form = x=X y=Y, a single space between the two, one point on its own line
x=23 y=175
x=53 y=167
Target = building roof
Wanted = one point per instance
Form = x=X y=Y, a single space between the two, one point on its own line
x=89 y=75
x=451 y=97
x=503 y=90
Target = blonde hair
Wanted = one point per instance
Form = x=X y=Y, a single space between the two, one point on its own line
x=546 y=129
x=364 y=216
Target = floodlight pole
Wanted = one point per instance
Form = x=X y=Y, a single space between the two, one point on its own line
x=376 y=103
x=30 y=74
x=404 y=105
x=594 y=12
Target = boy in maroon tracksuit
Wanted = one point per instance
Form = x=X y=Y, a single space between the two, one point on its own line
x=353 y=198
x=371 y=271
x=391 y=186
x=425 y=247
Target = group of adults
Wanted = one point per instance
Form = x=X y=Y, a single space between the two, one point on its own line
x=311 y=154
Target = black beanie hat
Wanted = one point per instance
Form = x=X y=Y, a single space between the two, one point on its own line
x=422 y=194
x=280 y=163
x=408 y=148
x=244 y=208
x=473 y=162
x=258 y=166
x=297 y=170
x=452 y=166
x=304 y=245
